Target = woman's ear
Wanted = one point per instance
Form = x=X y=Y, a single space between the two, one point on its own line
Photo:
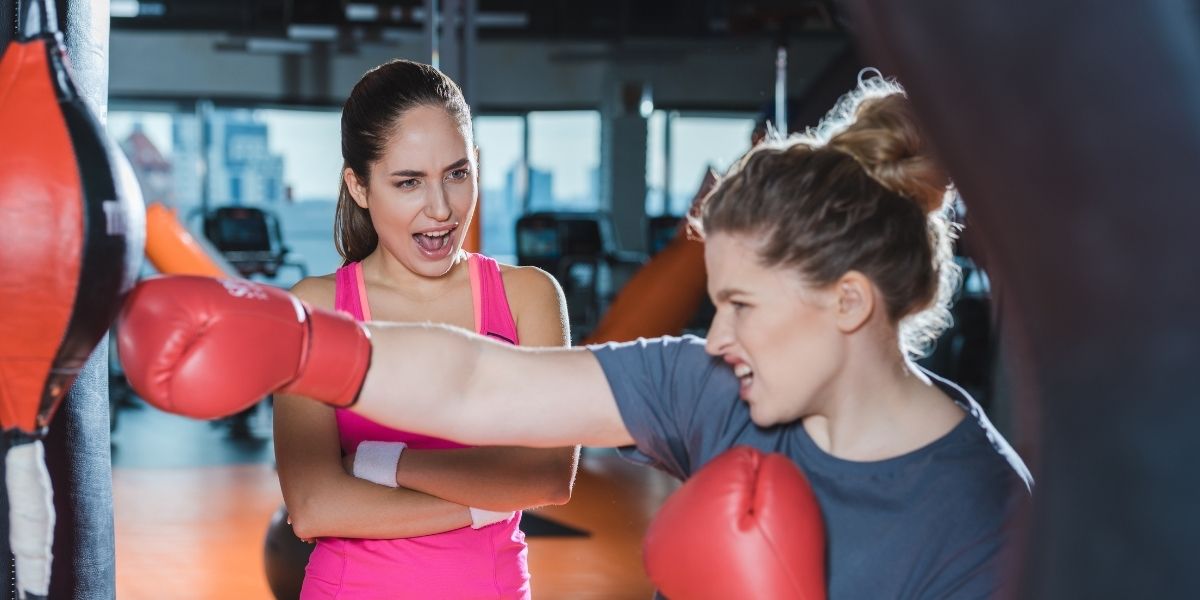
x=358 y=191
x=855 y=301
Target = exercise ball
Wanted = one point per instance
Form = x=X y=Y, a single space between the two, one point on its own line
x=284 y=557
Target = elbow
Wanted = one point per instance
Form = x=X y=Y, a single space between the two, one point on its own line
x=556 y=491
x=559 y=494
x=303 y=529
x=302 y=525
x=560 y=487
x=307 y=520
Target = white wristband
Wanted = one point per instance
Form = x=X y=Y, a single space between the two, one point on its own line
x=376 y=462
x=483 y=518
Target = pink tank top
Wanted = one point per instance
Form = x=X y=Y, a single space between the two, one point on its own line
x=489 y=562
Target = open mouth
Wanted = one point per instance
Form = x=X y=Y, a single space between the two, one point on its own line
x=435 y=243
x=745 y=376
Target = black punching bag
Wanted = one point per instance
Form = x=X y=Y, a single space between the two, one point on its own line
x=1073 y=131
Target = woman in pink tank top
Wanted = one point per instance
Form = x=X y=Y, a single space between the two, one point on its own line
x=395 y=514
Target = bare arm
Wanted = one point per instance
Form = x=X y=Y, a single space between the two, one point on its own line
x=505 y=478
x=322 y=499
x=491 y=393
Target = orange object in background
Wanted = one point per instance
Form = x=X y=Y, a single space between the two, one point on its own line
x=661 y=297
x=172 y=249
x=472 y=242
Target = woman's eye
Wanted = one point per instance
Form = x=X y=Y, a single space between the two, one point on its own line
x=407 y=184
x=458 y=174
x=738 y=306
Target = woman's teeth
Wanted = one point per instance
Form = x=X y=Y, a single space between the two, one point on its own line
x=744 y=374
x=433 y=241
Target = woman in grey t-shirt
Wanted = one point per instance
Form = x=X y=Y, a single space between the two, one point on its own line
x=829 y=264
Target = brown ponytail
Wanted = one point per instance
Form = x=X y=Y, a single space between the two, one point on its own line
x=353 y=232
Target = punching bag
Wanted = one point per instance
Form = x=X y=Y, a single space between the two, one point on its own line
x=74 y=231
x=1073 y=131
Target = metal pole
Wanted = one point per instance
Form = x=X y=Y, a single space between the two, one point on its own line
x=470 y=39
x=781 y=123
x=432 y=39
x=528 y=192
x=449 y=41
x=78 y=443
x=668 y=201
x=204 y=113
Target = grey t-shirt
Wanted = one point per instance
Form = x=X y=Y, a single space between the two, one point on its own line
x=931 y=523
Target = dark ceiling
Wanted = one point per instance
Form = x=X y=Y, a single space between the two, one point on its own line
x=608 y=20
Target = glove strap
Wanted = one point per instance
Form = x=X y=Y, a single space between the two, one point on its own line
x=335 y=360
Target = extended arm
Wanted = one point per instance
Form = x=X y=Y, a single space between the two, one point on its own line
x=430 y=379
x=491 y=394
x=505 y=478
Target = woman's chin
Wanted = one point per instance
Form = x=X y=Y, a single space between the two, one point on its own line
x=762 y=417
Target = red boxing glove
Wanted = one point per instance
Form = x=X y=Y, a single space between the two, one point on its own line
x=208 y=348
x=747 y=525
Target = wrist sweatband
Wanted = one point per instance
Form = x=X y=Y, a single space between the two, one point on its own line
x=483 y=518
x=376 y=462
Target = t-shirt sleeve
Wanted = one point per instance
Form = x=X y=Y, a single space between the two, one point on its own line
x=674 y=399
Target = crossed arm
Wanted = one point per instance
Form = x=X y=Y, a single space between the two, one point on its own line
x=436 y=486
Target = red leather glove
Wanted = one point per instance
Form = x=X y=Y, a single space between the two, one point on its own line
x=747 y=525
x=208 y=348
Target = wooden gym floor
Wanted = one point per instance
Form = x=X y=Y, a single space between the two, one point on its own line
x=192 y=505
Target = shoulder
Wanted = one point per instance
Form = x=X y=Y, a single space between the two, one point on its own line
x=530 y=286
x=982 y=464
x=318 y=291
x=687 y=348
x=679 y=404
x=537 y=305
x=679 y=360
x=980 y=479
x=522 y=279
x=980 y=445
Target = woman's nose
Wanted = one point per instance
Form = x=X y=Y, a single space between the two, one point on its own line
x=718 y=335
x=437 y=206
